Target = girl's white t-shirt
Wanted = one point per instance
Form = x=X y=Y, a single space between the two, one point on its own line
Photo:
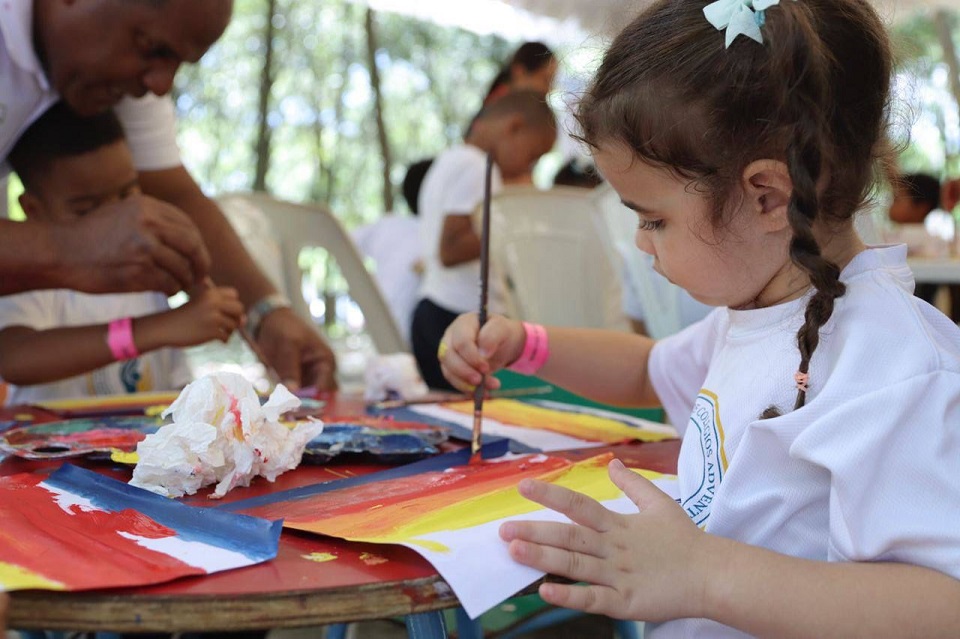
x=867 y=470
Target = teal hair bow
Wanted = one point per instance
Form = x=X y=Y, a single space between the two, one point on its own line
x=738 y=17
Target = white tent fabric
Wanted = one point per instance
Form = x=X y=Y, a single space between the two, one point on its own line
x=609 y=16
x=559 y=21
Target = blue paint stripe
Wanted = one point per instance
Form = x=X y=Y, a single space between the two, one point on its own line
x=253 y=537
x=431 y=464
x=457 y=431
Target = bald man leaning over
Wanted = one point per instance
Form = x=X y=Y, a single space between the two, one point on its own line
x=99 y=54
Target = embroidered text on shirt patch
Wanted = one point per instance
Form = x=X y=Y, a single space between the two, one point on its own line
x=706 y=420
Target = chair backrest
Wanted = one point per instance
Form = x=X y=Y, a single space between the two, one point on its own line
x=551 y=251
x=298 y=226
x=660 y=299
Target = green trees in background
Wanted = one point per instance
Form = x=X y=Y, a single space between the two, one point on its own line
x=926 y=116
x=305 y=126
x=286 y=102
x=308 y=126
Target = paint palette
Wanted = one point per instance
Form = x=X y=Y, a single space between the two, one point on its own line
x=388 y=440
x=77 y=437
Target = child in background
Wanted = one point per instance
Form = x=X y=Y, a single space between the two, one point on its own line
x=819 y=408
x=533 y=67
x=914 y=196
x=517 y=130
x=393 y=243
x=921 y=224
x=581 y=175
x=60 y=343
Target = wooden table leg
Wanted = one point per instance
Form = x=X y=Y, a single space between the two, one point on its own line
x=468 y=628
x=337 y=631
x=426 y=625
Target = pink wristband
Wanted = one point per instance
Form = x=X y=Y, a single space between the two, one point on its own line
x=536 y=351
x=120 y=339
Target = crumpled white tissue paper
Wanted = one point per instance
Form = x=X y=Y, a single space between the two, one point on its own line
x=393 y=377
x=221 y=434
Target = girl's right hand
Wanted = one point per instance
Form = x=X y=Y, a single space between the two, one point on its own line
x=468 y=353
x=212 y=313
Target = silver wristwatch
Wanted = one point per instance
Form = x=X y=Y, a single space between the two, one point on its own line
x=264 y=306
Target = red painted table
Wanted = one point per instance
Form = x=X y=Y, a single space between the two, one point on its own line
x=313 y=581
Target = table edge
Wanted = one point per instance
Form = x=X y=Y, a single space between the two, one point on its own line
x=106 y=611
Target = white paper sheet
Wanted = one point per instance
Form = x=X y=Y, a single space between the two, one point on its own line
x=478 y=567
x=539 y=439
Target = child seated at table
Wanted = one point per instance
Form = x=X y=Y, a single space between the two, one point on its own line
x=61 y=343
x=517 y=130
x=921 y=224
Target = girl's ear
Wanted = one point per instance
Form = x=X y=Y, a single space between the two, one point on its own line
x=767 y=190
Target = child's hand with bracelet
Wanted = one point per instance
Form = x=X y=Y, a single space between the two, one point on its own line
x=467 y=352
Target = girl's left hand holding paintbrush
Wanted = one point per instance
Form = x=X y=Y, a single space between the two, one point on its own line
x=469 y=352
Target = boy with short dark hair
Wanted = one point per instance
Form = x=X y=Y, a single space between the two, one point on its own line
x=60 y=343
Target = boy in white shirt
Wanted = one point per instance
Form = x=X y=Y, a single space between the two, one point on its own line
x=517 y=130
x=61 y=343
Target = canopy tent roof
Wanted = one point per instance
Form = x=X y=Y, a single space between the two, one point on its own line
x=558 y=21
x=608 y=16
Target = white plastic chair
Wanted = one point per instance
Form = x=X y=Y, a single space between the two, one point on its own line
x=551 y=251
x=293 y=227
x=660 y=299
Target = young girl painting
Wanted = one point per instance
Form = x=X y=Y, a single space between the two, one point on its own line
x=819 y=405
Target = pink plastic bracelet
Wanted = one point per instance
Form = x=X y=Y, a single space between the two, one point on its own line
x=536 y=351
x=120 y=339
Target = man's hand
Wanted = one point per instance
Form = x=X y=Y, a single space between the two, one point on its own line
x=296 y=351
x=137 y=244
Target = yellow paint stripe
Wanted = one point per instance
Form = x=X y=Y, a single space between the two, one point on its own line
x=121 y=457
x=133 y=399
x=13 y=577
x=582 y=426
x=589 y=477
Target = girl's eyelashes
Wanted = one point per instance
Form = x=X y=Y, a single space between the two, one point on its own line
x=650 y=225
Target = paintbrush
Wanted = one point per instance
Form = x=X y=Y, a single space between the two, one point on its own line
x=437 y=398
x=480 y=390
x=272 y=375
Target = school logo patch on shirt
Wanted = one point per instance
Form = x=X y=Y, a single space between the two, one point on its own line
x=705 y=422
